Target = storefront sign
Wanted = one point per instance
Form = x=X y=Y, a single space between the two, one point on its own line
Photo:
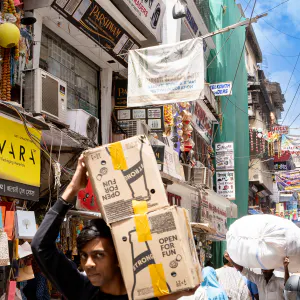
x=215 y=215
x=190 y=23
x=226 y=184
x=221 y=89
x=280 y=129
x=202 y=120
x=159 y=152
x=20 y=162
x=90 y=18
x=166 y=74
x=152 y=116
x=281 y=166
x=224 y=156
x=150 y=13
x=120 y=94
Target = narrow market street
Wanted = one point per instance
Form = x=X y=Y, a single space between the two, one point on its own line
x=149 y=149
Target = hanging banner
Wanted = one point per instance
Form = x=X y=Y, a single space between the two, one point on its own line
x=290 y=143
x=226 y=184
x=224 y=156
x=20 y=163
x=203 y=120
x=166 y=74
x=90 y=18
x=221 y=89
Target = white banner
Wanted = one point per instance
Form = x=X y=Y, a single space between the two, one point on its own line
x=166 y=74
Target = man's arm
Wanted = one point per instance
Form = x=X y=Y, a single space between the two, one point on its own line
x=61 y=271
x=286 y=269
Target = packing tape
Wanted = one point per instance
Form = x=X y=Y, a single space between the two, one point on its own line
x=142 y=226
x=158 y=278
x=117 y=156
x=139 y=207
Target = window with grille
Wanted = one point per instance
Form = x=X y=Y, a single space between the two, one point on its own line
x=81 y=75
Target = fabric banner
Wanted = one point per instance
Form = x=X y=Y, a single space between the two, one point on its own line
x=166 y=74
x=290 y=143
x=288 y=180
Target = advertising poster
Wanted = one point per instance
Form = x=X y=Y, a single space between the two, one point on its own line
x=224 y=156
x=166 y=74
x=20 y=161
x=226 y=184
x=90 y=18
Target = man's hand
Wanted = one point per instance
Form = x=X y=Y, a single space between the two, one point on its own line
x=286 y=262
x=178 y=295
x=226 y=255
x=78 y=182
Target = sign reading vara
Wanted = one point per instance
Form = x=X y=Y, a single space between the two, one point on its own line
x=221 y=89
x=226 y=184
x=166 y=74
x=20 y=162
x=224 y=156
x=90 y=18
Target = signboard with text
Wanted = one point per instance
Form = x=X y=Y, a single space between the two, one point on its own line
x=90 y=18
x=165 y=74
x=203 y=120
x=221 y=89
x=224 y=156
x=120 y=94
x=281 y=129
x=20 y=162
x=226 y=184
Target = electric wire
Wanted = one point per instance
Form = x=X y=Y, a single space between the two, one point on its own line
x=291 y=103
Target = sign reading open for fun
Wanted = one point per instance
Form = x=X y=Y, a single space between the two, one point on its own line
x=20 y=162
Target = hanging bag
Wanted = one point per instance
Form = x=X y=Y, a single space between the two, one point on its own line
x=4 y=251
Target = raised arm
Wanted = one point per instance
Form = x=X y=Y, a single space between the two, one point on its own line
x=61 y=271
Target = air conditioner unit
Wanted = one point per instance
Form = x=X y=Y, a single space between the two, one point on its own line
x=45 y=93
x=134 y=127
x=203 y=177
x=83 y=123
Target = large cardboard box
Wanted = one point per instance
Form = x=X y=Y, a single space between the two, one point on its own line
x=122 y=172
x=157 y=253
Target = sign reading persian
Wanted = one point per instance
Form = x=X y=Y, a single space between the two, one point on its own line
x=90 y=18
x=166 y=74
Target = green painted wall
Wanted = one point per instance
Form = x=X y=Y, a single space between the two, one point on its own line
x=235 y=110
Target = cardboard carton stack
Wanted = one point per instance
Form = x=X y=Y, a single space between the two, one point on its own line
x=154 y=241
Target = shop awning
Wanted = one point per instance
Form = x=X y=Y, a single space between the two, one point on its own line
x=203 y=228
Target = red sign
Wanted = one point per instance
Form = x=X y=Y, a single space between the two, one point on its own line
x=87 y=200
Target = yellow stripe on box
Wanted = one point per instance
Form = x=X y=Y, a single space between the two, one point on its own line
x=139 y=207
x=117 y=156
x=142 y=228
x=158 y=278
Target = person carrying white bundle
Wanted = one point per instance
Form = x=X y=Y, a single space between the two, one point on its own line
x=269 y=286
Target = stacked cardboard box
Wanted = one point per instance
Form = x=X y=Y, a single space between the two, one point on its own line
x=154 y=241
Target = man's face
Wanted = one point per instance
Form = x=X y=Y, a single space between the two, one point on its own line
x=99 y=261
x=267 y=273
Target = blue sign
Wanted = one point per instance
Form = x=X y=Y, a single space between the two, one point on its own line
x=191 y=21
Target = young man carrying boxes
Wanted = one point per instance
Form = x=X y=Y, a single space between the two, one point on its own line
x=155 y=250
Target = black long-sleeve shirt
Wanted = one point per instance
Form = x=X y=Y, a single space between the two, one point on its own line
x=61 y=271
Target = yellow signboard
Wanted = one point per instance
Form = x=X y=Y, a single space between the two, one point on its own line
x=20 y=160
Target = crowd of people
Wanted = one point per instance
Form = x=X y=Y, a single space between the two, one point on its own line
x=234 y=282
x=102 y=278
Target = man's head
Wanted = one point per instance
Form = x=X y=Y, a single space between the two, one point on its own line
x=267 y=274
x=97 y=253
